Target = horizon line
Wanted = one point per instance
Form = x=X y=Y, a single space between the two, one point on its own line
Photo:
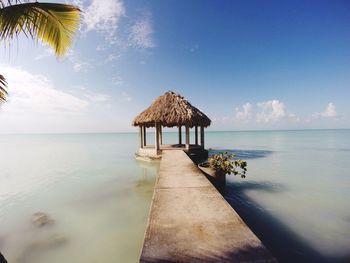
x=125 y=132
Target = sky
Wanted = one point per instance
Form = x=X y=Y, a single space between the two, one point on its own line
x=249 y=65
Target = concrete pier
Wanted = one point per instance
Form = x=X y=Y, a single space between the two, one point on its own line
x=190 y=221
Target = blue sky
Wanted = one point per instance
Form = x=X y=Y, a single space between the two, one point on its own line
x=247 y=64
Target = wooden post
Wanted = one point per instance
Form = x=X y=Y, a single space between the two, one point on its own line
x=156 y=138
x=196 y=135
x=180 y=135
x=161 y=134
x=141 y=136
x=144 y=135
x=187 y=137
x=202 y=137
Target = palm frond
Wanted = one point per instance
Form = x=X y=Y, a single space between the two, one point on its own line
x=54 y=24
x=3 y=85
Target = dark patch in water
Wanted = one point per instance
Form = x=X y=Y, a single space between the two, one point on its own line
x=39 y=246
x=344 y=150
x=234 y=188
x=282 y=242
x=243 y=154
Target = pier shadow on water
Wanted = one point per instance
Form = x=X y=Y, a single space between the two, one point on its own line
x=242 y=154
x=281 y=241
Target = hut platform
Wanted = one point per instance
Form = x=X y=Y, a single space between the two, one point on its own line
x=147 y=153
x=190 y=221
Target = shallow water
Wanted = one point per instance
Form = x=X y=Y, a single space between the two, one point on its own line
x=90 y=185
x=295 y=196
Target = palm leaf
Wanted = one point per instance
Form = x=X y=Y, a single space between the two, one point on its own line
x=3 y=91
x=54 y=24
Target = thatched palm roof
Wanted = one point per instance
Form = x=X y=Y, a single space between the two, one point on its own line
x=171 y=110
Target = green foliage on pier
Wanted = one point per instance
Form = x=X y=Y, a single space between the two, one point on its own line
x=228 y=164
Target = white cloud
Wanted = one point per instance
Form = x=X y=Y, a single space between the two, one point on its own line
x=293 y=117
x=141 y=35
x=34 y=103
x=98 y=97
x=103 y=16
x=126 y=96
x=81 y=66
x=117 y=81
x=78 y=87
x=78 y=3
x=101 y=47
x=246 y=114
x=48 y=52
x=193 y=48
x=270 y=111
x=35 y=93
x=274 y=113
x=91 y=96
x=329 y=112
x=112 y=57
x=78 y=64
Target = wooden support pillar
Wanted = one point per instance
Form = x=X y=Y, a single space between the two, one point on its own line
x=141 y=136
x=196 y=134
x=202 y=137
x=187 y=137
x=161 y=134
x=156 y=138
x=144 y=135
x=180 y=135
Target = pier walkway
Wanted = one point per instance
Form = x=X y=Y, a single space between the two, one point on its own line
x=190 y=221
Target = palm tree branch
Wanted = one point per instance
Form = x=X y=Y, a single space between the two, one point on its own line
x=54 y=24
x=3 y=85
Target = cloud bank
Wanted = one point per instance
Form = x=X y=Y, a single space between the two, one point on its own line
x=271 y=111
x=273 y=114
x=36 y=105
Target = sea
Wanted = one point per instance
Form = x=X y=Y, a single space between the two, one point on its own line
x=295 y=198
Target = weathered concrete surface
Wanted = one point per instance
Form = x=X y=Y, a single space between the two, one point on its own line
x=190 y=221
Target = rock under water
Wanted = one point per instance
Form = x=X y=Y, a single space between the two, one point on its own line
x=40 y=219
x=2 y=259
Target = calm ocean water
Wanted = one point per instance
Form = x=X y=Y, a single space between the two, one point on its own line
x=295 y=197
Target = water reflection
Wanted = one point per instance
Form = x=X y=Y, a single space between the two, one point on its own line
x=147 y=174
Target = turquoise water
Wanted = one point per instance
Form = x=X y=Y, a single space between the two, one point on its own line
x=90 y=185
x=297 y=192
x=295 y=197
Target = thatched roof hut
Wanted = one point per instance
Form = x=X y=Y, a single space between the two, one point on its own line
x=171 y=110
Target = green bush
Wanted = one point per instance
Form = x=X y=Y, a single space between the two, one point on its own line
x=227 y=164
